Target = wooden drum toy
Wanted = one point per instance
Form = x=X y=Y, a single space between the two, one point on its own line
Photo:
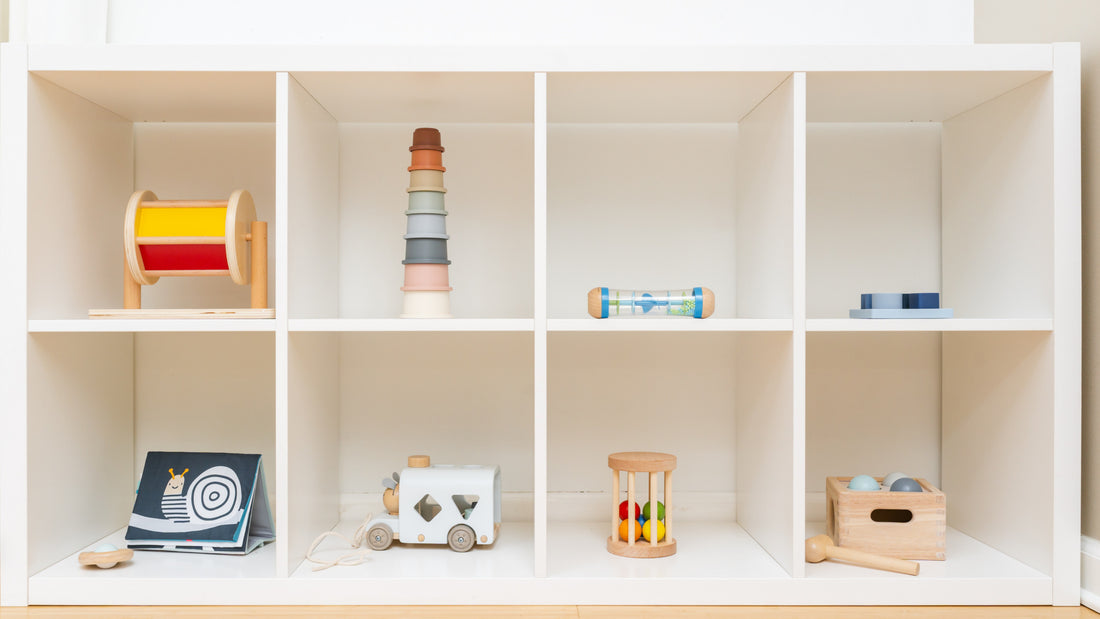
x=182 y=238
x=624 y=539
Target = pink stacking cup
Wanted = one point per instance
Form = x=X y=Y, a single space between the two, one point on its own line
x=427 y=277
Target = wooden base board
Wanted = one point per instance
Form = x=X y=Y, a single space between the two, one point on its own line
x=641 y=549
x=245 y=312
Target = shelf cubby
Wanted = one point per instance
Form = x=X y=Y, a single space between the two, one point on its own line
x=361 y=403
x=349 y=137
x=716 y=401
x=909 y=192
x=98 y=402
x=96 y=137
x=969 y=412
x=657 y=177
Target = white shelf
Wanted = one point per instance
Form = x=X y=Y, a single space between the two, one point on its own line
x=785 y=179
x=510 y=557
x=418 y=324
x=967 y=559
x=669 y=324
x=920 y=324
x=579 y=550
x=67 y=580
x=148 y=326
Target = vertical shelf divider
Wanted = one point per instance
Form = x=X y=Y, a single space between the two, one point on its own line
x=798 y=362
x=282 y=373
x=13 y=324
x=312 y=391
x=540 y=379
x=1067 y=322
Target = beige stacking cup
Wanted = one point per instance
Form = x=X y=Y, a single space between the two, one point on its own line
x=427 y=304
x=426 y=178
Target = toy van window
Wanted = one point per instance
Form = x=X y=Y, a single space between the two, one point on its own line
x=428 y=508
x=465 y=504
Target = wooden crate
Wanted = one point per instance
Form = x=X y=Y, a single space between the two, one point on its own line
x=849 y=520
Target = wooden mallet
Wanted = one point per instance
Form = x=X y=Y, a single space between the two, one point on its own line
x=821 y=547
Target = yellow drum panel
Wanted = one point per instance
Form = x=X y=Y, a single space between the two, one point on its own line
x=201 y=221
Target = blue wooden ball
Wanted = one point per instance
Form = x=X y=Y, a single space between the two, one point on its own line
x=906 y=484
x=863 y=483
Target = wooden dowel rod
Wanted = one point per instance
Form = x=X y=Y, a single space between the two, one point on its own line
x=180 y=240
x=258 y=276
x=222 y=272
x=131 y=289
x=185 y=204
x=668 y=504
x=614 y=504
x=630 y=508
x=652 y=507
x=877 y=562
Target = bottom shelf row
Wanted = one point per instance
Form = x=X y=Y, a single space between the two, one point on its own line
x=718 y=562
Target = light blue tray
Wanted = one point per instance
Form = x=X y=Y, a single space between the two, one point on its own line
x=942 y=312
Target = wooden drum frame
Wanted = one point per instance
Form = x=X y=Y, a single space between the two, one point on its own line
x=188 y=244
x=634 y=462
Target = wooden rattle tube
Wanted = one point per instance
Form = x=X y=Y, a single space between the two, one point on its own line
x=821 y=547
x=630 y=500
x=668 y=504
x=614 y=504
x=258 y=239
x=652 y=507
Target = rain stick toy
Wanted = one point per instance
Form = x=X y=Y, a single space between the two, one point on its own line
x=695 y=302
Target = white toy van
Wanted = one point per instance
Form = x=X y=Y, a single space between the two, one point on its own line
x=457 y=505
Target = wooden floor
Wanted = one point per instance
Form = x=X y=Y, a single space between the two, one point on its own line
x=558 y=612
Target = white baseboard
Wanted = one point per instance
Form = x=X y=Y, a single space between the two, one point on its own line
x=1090 y=572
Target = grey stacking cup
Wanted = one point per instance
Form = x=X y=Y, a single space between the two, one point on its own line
x=426 y=225
x=426 y=251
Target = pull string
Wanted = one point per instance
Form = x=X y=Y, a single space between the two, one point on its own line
x=352 y=558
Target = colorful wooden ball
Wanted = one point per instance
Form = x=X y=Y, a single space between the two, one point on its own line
x=891 y=478
x=660 y=511
x=622 y=511
x=647 y=530
x=624 y=530
x=905 y=484
x=863 y=483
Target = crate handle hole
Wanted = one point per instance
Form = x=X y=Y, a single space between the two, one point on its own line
x=891 y=515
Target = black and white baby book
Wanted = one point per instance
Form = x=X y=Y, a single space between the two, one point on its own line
x=201 y=502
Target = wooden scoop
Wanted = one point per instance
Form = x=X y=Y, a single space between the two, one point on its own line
x=821 y=547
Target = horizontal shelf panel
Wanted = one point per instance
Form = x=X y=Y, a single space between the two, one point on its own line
x=153 y=325
x=967 y=559
x=669 y=324
x=411 y=324
x=930 y=324
x=1014 y=57
x=68 y=582
x=704 y=550
x=512 y=556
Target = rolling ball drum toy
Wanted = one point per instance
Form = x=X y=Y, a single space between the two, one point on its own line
x=192 y=238
x=629 y=525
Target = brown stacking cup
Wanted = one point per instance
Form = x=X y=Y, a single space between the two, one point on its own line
x=426 y=138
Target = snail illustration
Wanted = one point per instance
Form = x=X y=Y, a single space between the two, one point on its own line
x=389 y=496
x=174 y=504
x=216 y=493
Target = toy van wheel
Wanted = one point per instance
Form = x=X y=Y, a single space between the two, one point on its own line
x=461 y=538
x=379 y=537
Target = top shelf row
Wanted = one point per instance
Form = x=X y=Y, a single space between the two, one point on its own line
x=507 y=97
x=788 y=193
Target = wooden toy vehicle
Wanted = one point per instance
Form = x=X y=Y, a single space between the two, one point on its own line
x=457 y=505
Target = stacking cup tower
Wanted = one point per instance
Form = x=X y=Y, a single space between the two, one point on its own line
x=427 y=281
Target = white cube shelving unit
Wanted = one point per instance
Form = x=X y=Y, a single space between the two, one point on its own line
x=788 y=180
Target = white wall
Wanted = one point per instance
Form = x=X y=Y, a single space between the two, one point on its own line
x=496 y=22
